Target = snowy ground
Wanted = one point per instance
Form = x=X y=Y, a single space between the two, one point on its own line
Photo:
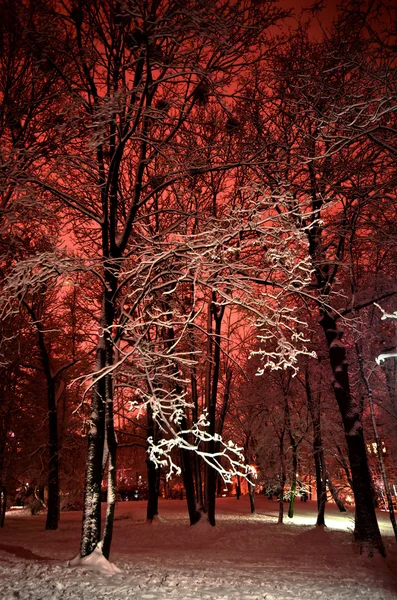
x=245 y=557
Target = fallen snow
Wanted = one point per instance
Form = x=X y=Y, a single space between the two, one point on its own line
x=95 y=562
x=244 y=558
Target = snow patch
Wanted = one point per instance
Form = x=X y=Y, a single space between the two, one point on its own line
x=242 y=558
x=95 y=562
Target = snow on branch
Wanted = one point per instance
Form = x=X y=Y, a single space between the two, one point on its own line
x=286 y=353
x=159 y=385
x=252 y=260
x=386 y=315
x=255 y=259
x=382 y=357
x=34 y=274
x=229 y=453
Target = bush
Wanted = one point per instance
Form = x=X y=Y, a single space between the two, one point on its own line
x=35 y=506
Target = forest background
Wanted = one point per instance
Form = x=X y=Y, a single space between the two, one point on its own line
x=198 y=247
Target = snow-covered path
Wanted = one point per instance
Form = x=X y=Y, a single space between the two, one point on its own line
x=243 y=558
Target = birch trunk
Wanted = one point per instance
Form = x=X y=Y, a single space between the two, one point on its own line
x=111 y=443
x=91 y=526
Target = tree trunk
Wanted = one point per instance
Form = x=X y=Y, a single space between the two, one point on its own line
x=366 y=531
x=321 y=485
x=208 y=369
x=293 y=479
x=251 y=493
x=238 y=488
x=389 y=368
x=53 y=508
x=210 y=491
x=110 y=434
x=111 y=503
x=318 y=453
x=283 y=475
x=225 y=403
x=3 y=504
x=199 y=483
x=211 y=473
x=335 y=496
x=344 y=465
x=219 y=485
x=221 y=421
x=281 y=496
x=111 y=442
x=250 y=481
x=187 y=472
x=3 y=489
x=152 y=474
x=209 y=482
x=378 y=443
x=196 y=458
x=194 y=513
x=153 y=492
x=91 y=526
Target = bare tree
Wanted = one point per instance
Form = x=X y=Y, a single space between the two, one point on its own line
x=135 y=83
x=312 y=152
